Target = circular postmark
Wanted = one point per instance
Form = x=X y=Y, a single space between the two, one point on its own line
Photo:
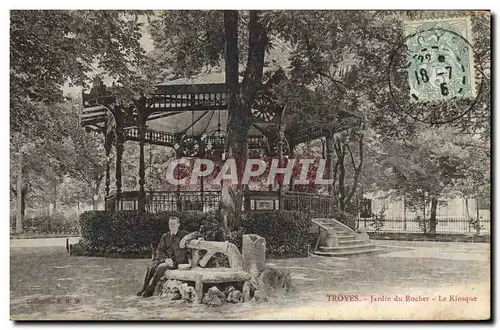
x=432 y=75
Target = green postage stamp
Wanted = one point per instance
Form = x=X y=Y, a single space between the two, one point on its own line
x=440 y=61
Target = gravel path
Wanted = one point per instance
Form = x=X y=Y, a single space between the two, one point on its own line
x=103 y=288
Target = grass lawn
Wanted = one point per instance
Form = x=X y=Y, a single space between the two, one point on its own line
x=106 y=287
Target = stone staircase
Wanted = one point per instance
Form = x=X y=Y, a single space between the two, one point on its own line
x=338 y=240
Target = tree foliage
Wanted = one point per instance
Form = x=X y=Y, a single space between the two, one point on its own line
x=49 y=48
x=336 y=61
x=435 y=164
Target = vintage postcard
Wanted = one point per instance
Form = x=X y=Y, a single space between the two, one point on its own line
x=250 y=165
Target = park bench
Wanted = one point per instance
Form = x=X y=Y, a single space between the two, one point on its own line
x=242 y=266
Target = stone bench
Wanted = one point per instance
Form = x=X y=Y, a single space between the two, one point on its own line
x=241 y=266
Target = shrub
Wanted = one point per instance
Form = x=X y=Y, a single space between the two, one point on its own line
x=378 y=220
x=133 y=232
x=211 y=226
x=286 y=232
x=346 y=218
x=236 y=237
x=123 y=234
x=85 y=248
x=423 y=224
x=96 y=227
x=48 y=224
x=133 y=229
x=476 y=225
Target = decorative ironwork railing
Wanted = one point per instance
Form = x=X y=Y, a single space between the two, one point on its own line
x=153 y=137
x=312 y=204
x=257 y=142
x=158 y=201
x=193 y=101
x=183 y=201
x=418 y=226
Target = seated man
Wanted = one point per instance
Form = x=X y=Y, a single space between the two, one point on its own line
x=169 y=254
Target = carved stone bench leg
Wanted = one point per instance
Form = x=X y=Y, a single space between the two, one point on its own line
x=198 y=286
x=246 y=291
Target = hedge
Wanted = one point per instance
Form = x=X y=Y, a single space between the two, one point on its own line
x=96 y=227
x=135 y=233
x=286 y=232
x=45 y=224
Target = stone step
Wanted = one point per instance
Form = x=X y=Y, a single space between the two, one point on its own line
x=327 y=222
x=332 y=225
x=340 y=231
x=345 y=237
x=346 y=252
x=346 y=247
x=352 y=242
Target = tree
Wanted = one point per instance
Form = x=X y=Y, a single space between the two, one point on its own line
x=334 y=60
x=74 y=192
x=195 y=39
x=49 y=48
x=62 y=149
x=198 y=38
x=340 y=56
x=432 y=165
x=86 y=161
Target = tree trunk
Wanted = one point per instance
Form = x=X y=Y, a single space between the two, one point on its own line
x=342 y=190
x=425 y=221
x=19 y=216
x=357 y=170
x=96 y=193
x=90 y=190
x=24 y=193
x=477 y=209
x=404 y=215
x=142 y=135
x=120 y=139
x=467 y=213
x=280 y=164
x=432 y=219
x=327 y=153
x=236 y=118
x=291 y=156
x=235 y=126
x=107 y=179
x=54 y=199
x=239 y=102
x=23 y=203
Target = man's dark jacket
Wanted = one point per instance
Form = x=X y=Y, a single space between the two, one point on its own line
x=169 y=248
